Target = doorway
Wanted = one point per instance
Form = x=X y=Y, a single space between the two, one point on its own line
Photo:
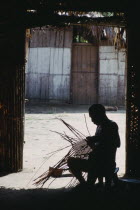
x=84 y=73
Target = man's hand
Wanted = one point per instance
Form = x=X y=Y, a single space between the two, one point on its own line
x=90 y=141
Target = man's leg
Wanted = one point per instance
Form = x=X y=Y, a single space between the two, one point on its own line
x=91 y=179
x=76 y=166
x=100 y=179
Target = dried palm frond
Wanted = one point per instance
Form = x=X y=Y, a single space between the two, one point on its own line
x=79 y=148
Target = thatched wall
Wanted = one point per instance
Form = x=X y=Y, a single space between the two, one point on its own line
x=12 y=73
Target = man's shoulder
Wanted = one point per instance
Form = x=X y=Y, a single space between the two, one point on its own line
x=112 y=123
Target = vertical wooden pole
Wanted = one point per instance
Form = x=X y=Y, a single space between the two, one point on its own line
x=133 y=97
x=12 y=79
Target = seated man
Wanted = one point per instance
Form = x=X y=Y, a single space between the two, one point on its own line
x=104 y=145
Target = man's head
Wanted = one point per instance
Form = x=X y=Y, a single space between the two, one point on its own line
x=97 y=113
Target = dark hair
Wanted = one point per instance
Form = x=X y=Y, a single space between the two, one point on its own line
x=97 y=108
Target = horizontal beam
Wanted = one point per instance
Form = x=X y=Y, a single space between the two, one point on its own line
x=79 y=5
x=31 y=20
x=64 y=20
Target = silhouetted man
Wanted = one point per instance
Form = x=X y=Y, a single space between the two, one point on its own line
x=104 y=145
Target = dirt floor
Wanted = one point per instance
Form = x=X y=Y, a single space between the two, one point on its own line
x=17 y=191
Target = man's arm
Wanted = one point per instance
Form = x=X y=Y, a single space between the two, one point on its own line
x=93 y=141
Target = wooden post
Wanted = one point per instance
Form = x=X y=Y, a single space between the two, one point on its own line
x=12 y=79
x=133 y=97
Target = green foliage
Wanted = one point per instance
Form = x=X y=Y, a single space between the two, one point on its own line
x=107 y=14
x=80 y=39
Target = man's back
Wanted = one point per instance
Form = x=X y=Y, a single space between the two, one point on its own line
x=107 y=141
x=108 y=133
